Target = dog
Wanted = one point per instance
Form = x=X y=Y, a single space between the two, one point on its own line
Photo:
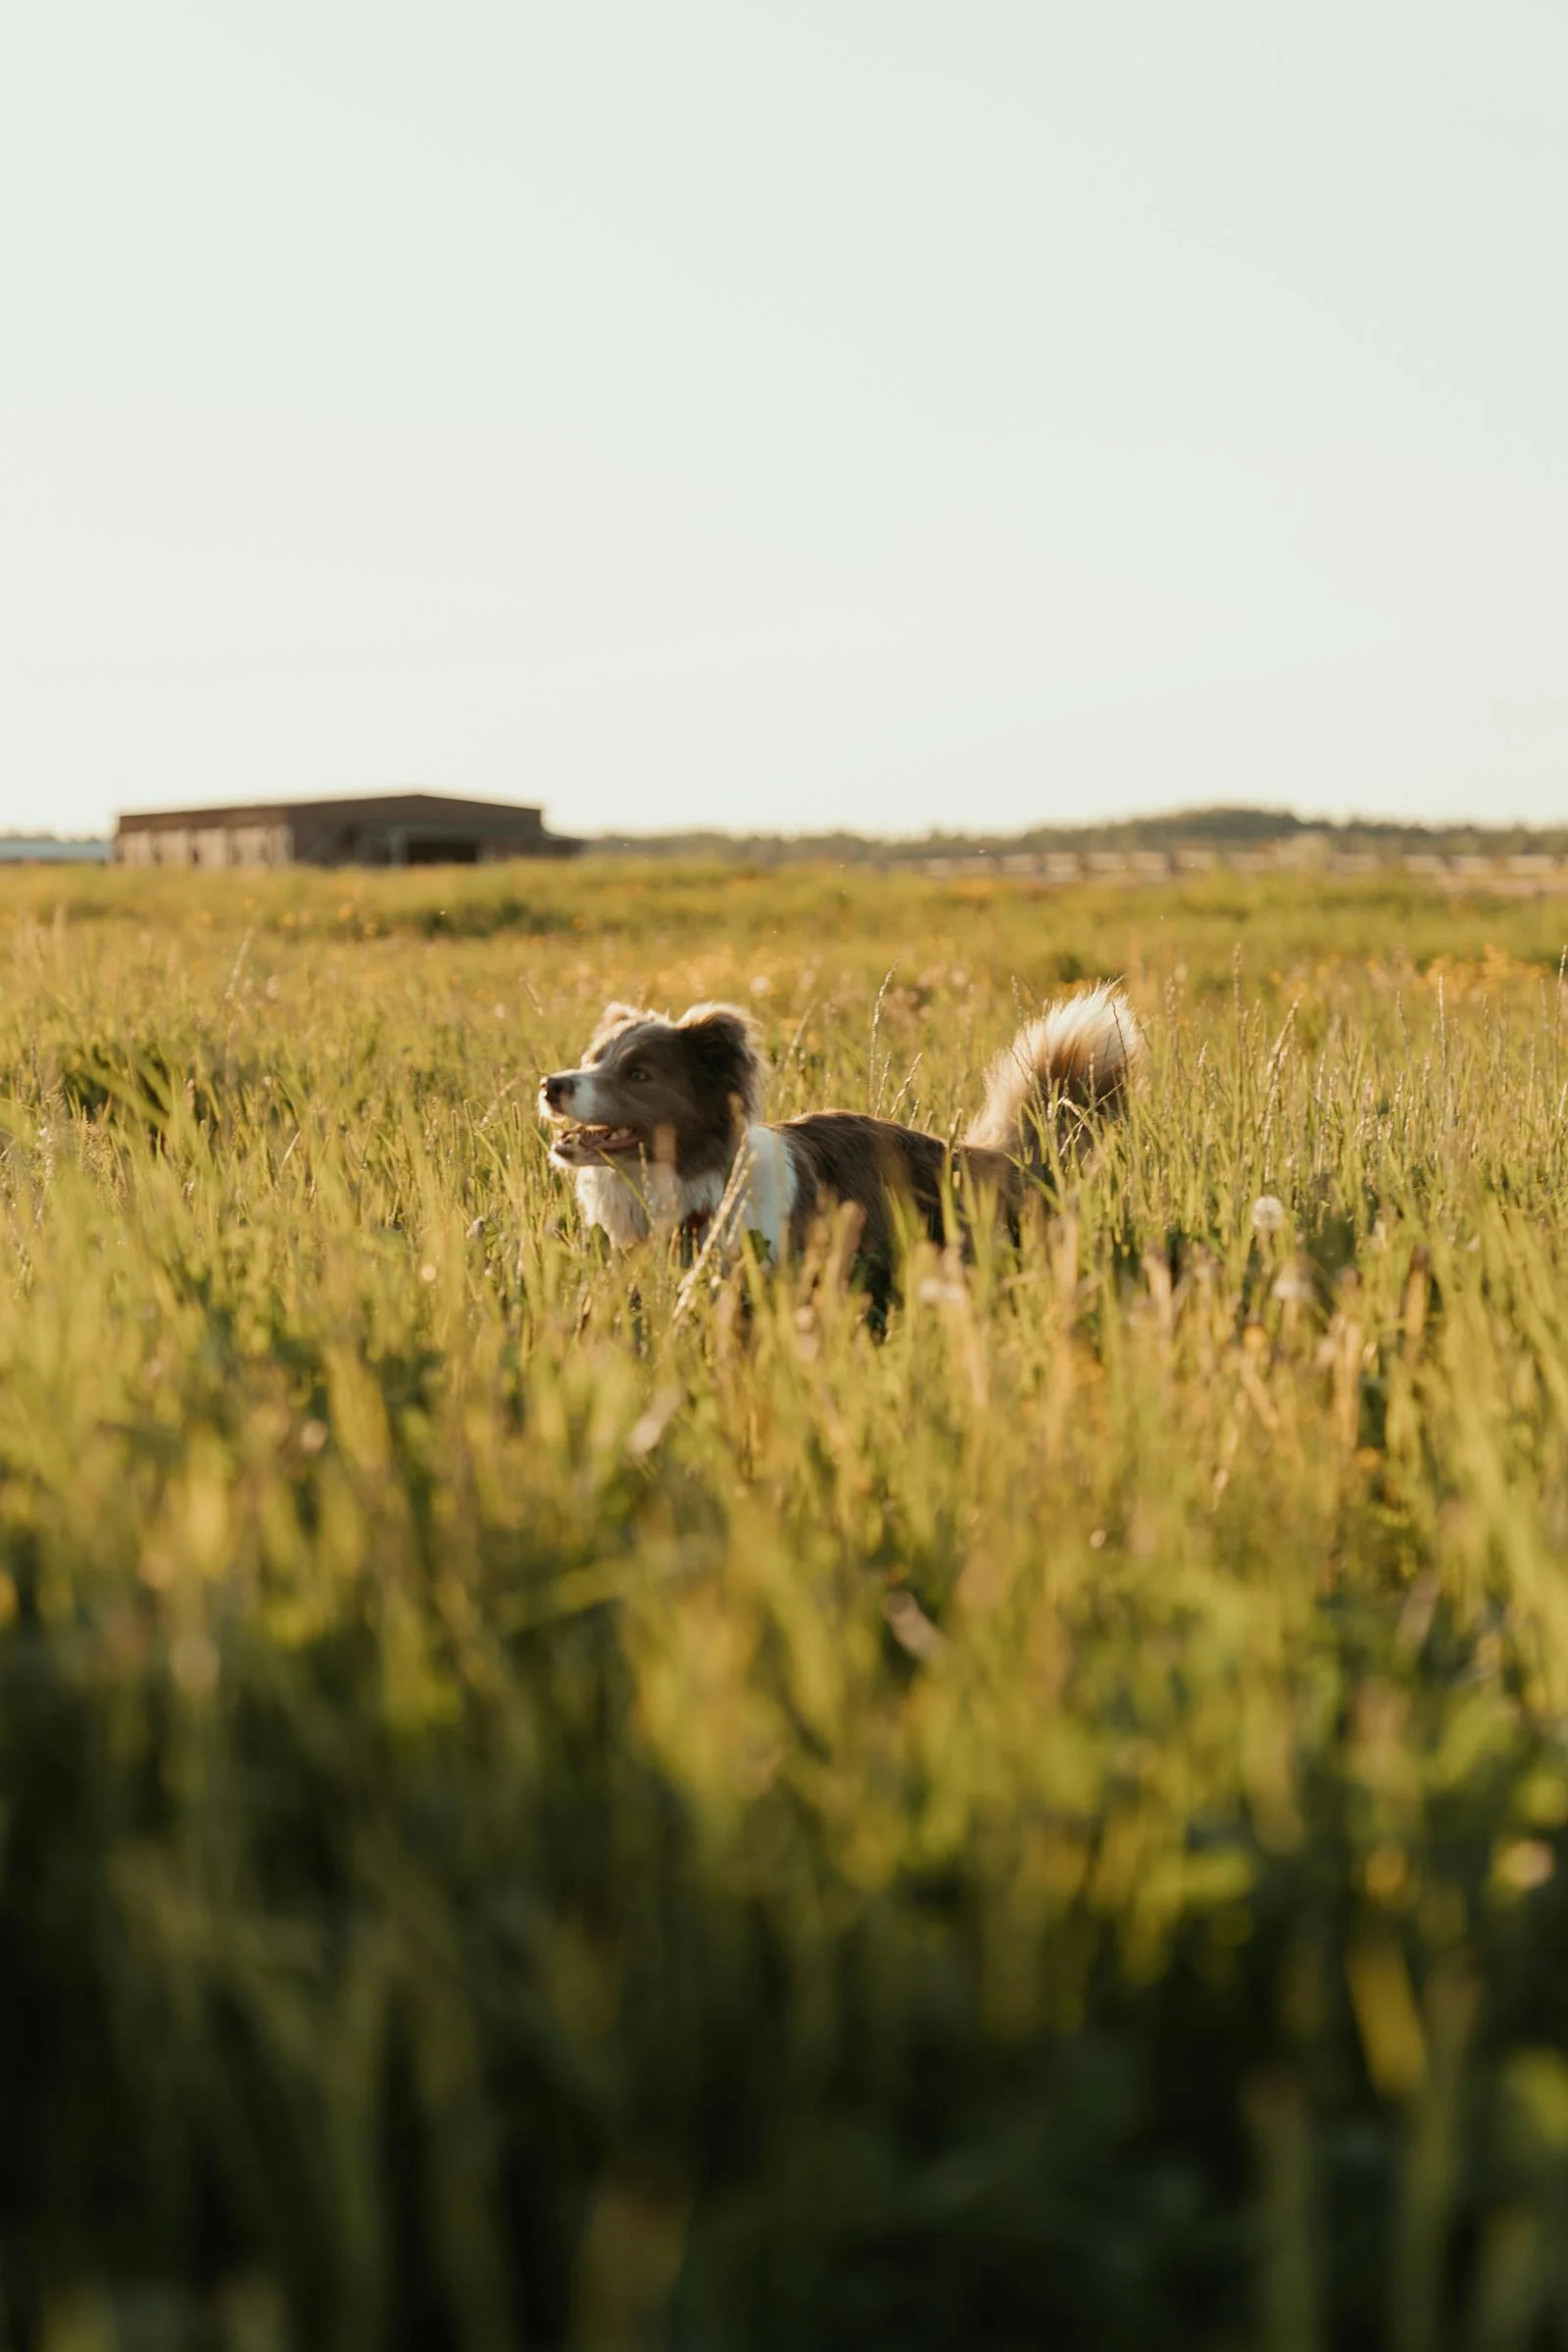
x=661 y=1128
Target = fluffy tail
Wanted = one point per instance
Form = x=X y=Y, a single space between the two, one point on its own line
x=1060 y=1077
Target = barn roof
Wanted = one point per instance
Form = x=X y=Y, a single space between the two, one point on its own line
x=382 y=807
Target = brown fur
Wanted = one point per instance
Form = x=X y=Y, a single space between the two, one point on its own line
x=845 y=1157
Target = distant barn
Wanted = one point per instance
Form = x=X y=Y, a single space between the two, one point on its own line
x=395 y=828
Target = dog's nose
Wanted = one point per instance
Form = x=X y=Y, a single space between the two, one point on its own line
x=555 y=1091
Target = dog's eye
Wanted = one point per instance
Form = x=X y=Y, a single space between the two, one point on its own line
x=638 y=1077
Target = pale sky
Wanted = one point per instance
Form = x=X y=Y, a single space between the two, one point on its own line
x=785 y=412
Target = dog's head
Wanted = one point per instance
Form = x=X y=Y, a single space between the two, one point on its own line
x=660 y=1093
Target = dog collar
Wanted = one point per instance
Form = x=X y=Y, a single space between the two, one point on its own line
x=693 y=1234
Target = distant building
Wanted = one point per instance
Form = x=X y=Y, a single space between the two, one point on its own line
x=394 y=828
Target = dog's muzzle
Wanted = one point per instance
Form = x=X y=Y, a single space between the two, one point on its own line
x=556 y=1093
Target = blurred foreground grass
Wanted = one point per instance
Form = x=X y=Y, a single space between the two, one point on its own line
x=527 y=1819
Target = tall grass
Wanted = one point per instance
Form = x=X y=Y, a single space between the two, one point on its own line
x=535 y=1810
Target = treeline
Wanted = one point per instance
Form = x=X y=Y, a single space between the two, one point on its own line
x=1215 y=829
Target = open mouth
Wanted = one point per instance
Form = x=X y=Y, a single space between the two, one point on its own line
x=580 y=1144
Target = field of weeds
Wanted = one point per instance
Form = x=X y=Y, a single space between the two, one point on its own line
x=536 y=1815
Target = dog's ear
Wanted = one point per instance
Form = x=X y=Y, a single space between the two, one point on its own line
x=614 y=1017
x=725 y=1043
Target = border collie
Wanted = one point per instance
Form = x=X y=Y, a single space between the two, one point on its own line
x=661 y=1128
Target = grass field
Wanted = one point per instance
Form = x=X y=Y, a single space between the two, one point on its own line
x=531 y=1815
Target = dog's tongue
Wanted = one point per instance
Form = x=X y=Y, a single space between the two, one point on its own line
x=604 y=1139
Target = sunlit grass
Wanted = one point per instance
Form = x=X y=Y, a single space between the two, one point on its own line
x=534 y=1812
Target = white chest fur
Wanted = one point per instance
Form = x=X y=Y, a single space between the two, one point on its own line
x=756 y=1198
x=609 y=1200
x=761 y=1190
